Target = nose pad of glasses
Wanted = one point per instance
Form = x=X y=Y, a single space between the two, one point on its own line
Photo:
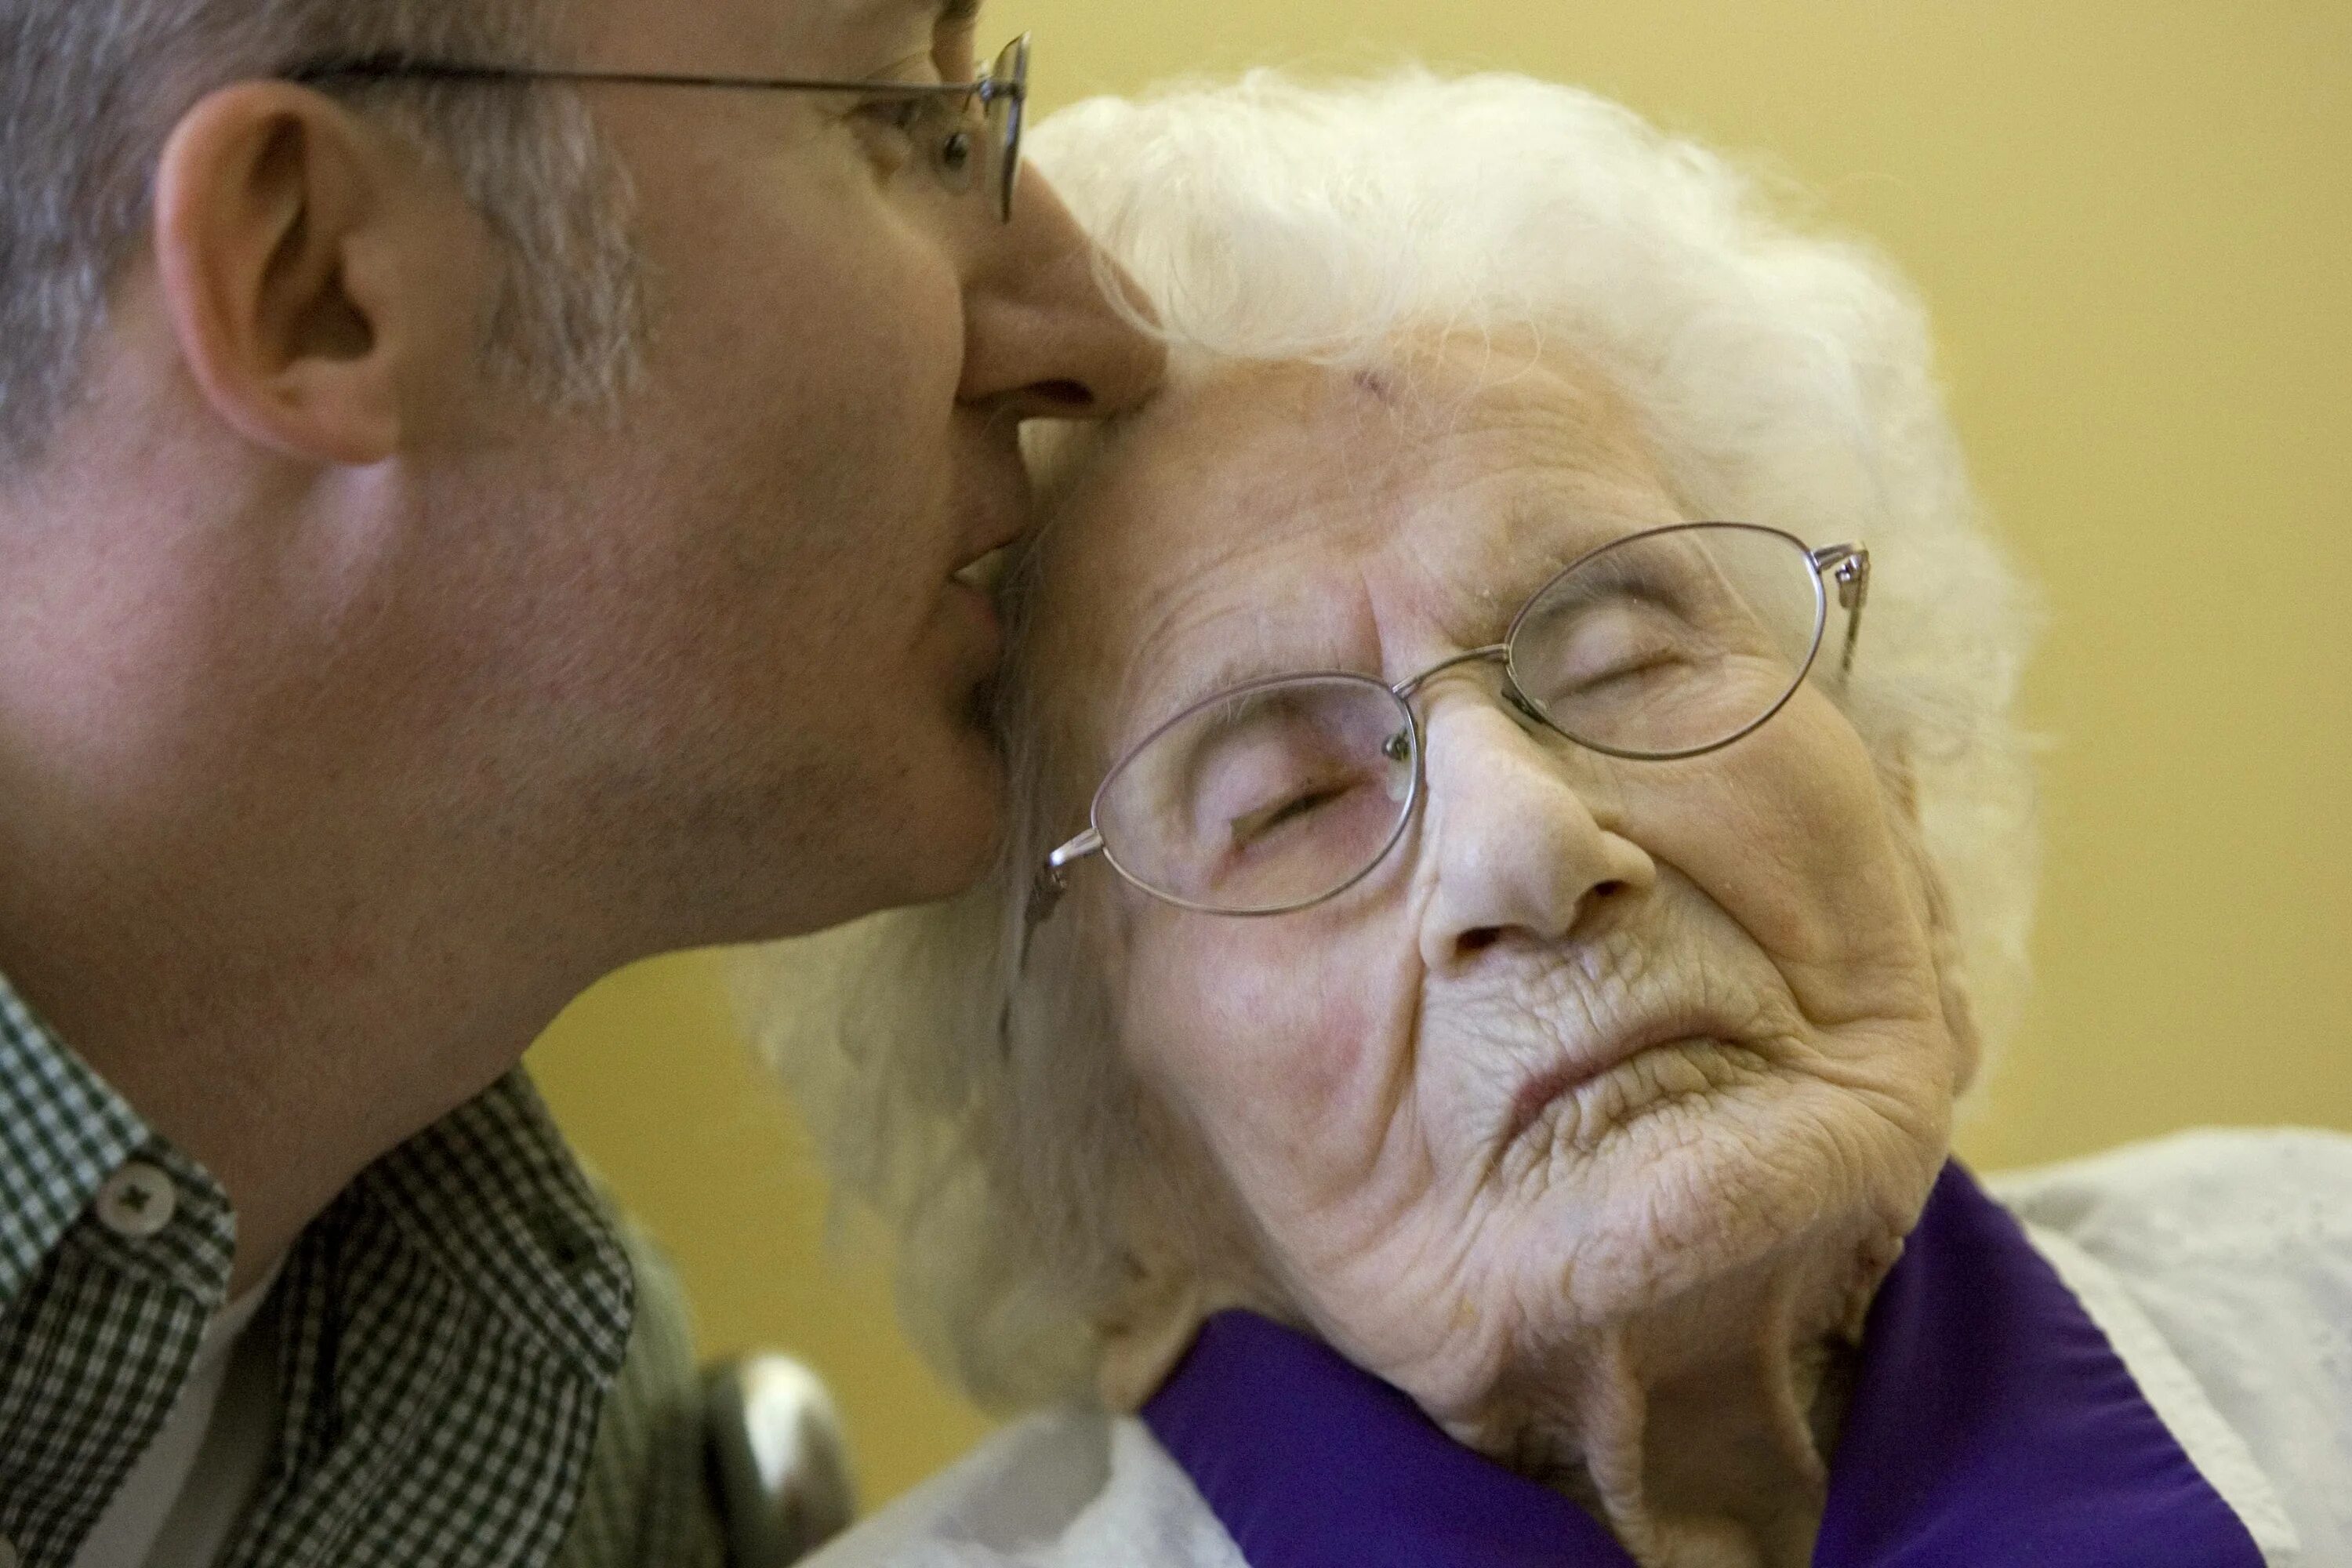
x=1398 y=749
x=1524 y=707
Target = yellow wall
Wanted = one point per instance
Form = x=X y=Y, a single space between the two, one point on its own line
x=2133 y=220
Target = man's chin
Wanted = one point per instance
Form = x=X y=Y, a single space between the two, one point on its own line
x=917 y=824
x=944 y=839
x=950 y=866
x=900 y=869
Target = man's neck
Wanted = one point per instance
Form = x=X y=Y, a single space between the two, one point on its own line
x=288 y=852
x=243 y=873
x=280 y=956
x=282 y=1039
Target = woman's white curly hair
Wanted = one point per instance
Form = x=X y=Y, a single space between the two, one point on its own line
x=979 y=1103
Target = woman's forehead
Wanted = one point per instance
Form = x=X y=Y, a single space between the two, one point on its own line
x=1287 y=515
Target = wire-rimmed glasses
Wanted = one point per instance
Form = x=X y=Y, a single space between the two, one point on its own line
x=972 y=127
x=1282 y=793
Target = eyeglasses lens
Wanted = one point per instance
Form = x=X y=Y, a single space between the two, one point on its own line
x=1267 y=798
x=1671 y=643
x=1278 y=795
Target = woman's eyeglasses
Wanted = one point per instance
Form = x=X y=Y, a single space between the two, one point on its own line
x=1280 y=794
x=972 y=127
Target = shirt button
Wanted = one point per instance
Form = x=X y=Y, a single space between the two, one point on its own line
x=137 y=1201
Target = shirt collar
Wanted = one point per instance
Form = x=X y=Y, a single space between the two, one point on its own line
x=494 y=1197
x=490 y=1192
x=1991 y=1422
x=63 y=1132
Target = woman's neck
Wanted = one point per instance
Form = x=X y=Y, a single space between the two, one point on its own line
x=1728 y=1466
x=1701 y=1434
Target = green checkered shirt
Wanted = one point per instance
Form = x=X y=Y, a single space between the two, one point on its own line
x=476 y=1366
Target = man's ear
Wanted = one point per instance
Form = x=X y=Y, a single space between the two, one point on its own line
x=282 y=267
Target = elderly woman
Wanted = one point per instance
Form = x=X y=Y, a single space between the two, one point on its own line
x=1518 y=844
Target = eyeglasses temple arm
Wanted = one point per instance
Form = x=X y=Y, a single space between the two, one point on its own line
x=379 y=68
x=1848 y=566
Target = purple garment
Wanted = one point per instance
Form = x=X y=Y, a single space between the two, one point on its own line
x=1991 y=1423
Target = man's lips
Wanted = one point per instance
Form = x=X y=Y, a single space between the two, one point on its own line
x=993 y=515
x=1540 y=1088
x=989 y=540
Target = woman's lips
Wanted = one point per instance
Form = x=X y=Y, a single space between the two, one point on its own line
x=1553 y=1083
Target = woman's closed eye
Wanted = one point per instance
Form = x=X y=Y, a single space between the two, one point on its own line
x=1292 y=807
x=1616 y=646
x=1251 y=790
x=1249 y=787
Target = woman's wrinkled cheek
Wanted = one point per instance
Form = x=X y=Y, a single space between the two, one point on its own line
x=1281 y=1039
x=1788 y=831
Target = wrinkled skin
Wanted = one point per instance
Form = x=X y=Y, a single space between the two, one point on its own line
x=1636 y=1287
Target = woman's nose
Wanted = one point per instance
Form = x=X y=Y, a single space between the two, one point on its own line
x=1040 y=337
x=1519 y=851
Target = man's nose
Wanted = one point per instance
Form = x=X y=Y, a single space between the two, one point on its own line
x=1043 y=337
x=1519 y=850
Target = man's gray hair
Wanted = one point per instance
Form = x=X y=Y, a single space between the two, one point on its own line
x=89 y=90
x=973 y=1092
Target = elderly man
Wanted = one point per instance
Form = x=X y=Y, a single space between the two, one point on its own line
x=482 y=485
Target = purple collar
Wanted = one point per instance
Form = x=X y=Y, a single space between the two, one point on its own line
x=1991 y=1423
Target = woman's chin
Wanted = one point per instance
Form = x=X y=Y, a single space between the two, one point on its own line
x=1687 y=1187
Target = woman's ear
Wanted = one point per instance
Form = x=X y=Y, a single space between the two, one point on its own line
x=1175 y=1219
x=287 y=234
x=1145 y=1330
x=1901 y=785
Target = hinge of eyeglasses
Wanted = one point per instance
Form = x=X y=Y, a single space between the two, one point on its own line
x=1850 y=565
x=1053 y=879
x=1852 y=581
x=1087 y=843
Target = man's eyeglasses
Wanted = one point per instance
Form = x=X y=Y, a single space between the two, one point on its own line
x=972 y=127
x=1280 y=794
